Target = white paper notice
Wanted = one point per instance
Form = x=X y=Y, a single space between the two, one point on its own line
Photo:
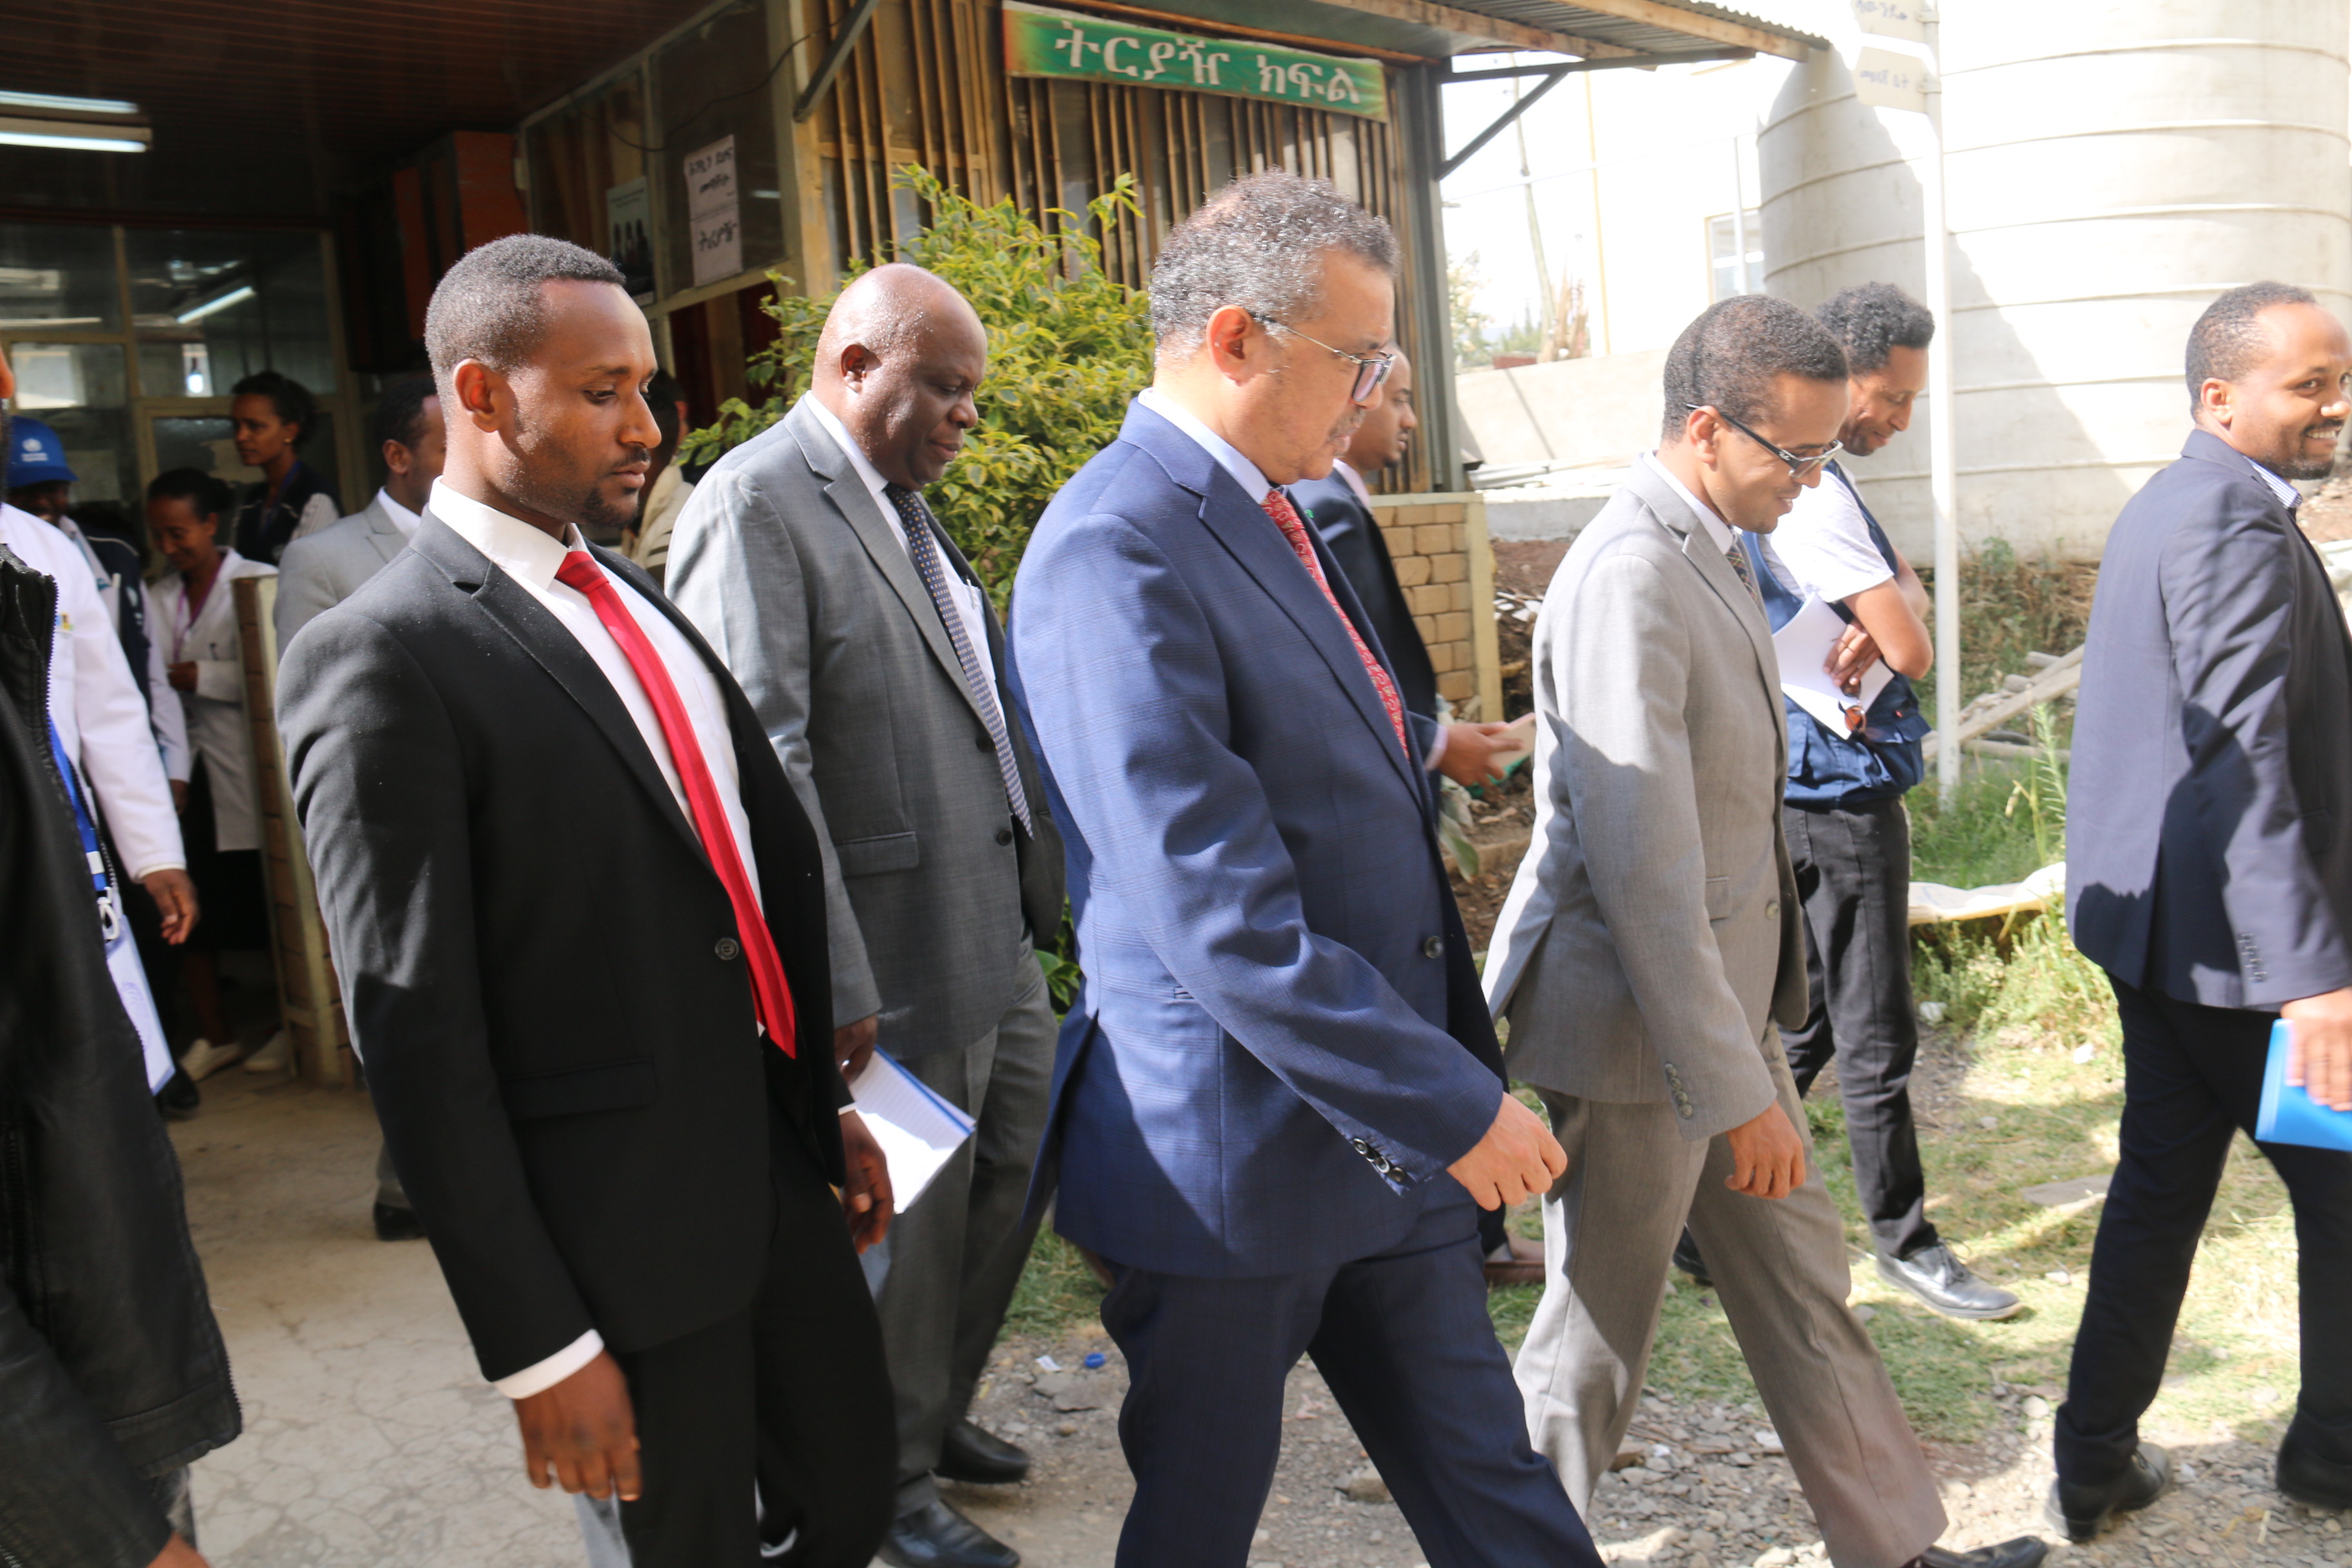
x=714 y=216
x=918 y=1129
x=1804 y=647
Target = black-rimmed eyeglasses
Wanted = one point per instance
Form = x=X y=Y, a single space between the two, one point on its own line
x=1372 y=370
x=1797 y=466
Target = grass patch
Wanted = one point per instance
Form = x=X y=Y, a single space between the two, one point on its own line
x=2012 y=605
x=1057 y=1290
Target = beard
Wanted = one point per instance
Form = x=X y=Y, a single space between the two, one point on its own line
x=562 y=495
x=2301 y=468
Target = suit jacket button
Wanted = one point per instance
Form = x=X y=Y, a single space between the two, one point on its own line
x=1004 y=836
x=1772 y=910
x=1359 y=1145
x=986 y=743
x=727 y=948
x=1434 y=947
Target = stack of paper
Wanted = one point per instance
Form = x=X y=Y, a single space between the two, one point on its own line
x=1804 y=647
x=918 y=1131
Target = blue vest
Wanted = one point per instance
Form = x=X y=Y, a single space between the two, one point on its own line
x=1883 y=759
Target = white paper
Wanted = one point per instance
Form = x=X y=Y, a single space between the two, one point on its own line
x=713 y=212
x=1518 y=739
x=918 y=1131
x=1804 y=647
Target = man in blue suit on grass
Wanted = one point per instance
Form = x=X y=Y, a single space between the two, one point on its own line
x=1279 y=1097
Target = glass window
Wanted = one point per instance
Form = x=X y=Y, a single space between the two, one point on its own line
x=1733 y=273
x=242 y=301
x=58 y=275
x=79 y=390
x=709 y=85
x=588 y=178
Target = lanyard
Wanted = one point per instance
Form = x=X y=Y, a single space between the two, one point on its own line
x=108 y=922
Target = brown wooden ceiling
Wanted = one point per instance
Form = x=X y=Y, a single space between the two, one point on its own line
x=269 y=111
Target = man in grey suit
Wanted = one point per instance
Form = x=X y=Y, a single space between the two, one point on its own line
x=875 y=659
x=1653 y=937
x=335 y=560
x=321 y=570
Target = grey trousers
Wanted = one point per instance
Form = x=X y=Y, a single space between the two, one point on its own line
x=957 y=1254
x=1779 y=1266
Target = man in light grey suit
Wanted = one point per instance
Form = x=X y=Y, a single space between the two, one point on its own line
x=874 y=657
x=1652 y=938
x=335 y=560
x=321 y=570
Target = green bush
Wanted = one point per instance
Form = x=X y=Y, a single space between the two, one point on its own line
x=1068 y=346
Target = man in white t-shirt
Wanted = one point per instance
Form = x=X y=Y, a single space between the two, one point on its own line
x=1849 y=837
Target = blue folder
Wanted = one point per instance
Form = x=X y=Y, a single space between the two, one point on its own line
x=2289 y=1115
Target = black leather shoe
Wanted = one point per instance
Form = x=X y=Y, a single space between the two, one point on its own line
x=2083 y=1511
x=179 y=1097
x=2304 y=1477
x=1687 y=1260
x=936 y=1536
x=1936 y=1276
x=970 y=1453
x=395 y=1223
x=2025 y=1552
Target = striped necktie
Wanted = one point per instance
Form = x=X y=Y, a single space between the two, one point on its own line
x=924 y=550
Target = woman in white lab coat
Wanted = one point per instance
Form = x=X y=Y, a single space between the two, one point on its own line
x=193 y=618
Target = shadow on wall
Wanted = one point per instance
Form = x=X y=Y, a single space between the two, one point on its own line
x=1599 y=411
x=1842 y=206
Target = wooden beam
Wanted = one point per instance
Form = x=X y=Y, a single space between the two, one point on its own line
x=1511 y=34
x=1692 y=24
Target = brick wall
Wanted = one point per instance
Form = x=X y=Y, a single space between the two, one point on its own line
x=1447 y=571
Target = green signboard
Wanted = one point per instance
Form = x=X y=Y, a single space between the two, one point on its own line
x=1062 y=44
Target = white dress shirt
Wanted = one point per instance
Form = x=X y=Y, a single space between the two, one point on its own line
x=526 y=553
x=95 y=702
x=402 y=518
x=966 y=595
x=1246 y=474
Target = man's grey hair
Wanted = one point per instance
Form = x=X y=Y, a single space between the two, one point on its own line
x=1254 y=244
x=491 y=306
x=2227 y=340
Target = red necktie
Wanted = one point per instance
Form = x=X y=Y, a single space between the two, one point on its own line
x=1286 y=517
x=770 y=995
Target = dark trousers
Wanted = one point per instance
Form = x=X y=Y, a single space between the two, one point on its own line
x=789 y=1395
x=2192 y=1080
x=1404 y=1342
x=1853 y=873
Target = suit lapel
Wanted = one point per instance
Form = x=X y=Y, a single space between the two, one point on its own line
x=855 y=503
x=1698 y=548
x=554 y=649
x=383 y=532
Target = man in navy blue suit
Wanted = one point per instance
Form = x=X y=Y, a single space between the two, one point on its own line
x=2208 y=871
x=1277 y=1102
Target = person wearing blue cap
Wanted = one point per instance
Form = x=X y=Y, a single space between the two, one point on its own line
x=100 y=731
x=41 y=482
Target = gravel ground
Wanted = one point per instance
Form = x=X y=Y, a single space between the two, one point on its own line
x=1701 y=1485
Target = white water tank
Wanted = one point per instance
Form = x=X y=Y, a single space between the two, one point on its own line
x=2111 y=167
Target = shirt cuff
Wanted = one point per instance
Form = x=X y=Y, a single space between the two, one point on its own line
x=540 y=1376
x=159 y=865
x=1437 y=752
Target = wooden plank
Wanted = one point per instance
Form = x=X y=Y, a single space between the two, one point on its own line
x=1980 y=715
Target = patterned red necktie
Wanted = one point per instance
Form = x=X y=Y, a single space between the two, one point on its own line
x=771 y=996
x=1286 y=517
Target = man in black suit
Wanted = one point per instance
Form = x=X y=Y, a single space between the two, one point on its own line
x=2210 y=875
x=508 y=747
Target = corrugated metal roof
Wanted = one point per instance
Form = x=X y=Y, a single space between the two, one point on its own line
x=1646 y=37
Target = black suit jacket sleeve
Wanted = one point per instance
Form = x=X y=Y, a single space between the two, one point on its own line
x=2228 y=588
x=1349 y=533
x=382 y=793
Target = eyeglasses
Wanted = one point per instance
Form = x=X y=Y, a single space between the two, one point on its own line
x=1797 y=466
x=1372 y=370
